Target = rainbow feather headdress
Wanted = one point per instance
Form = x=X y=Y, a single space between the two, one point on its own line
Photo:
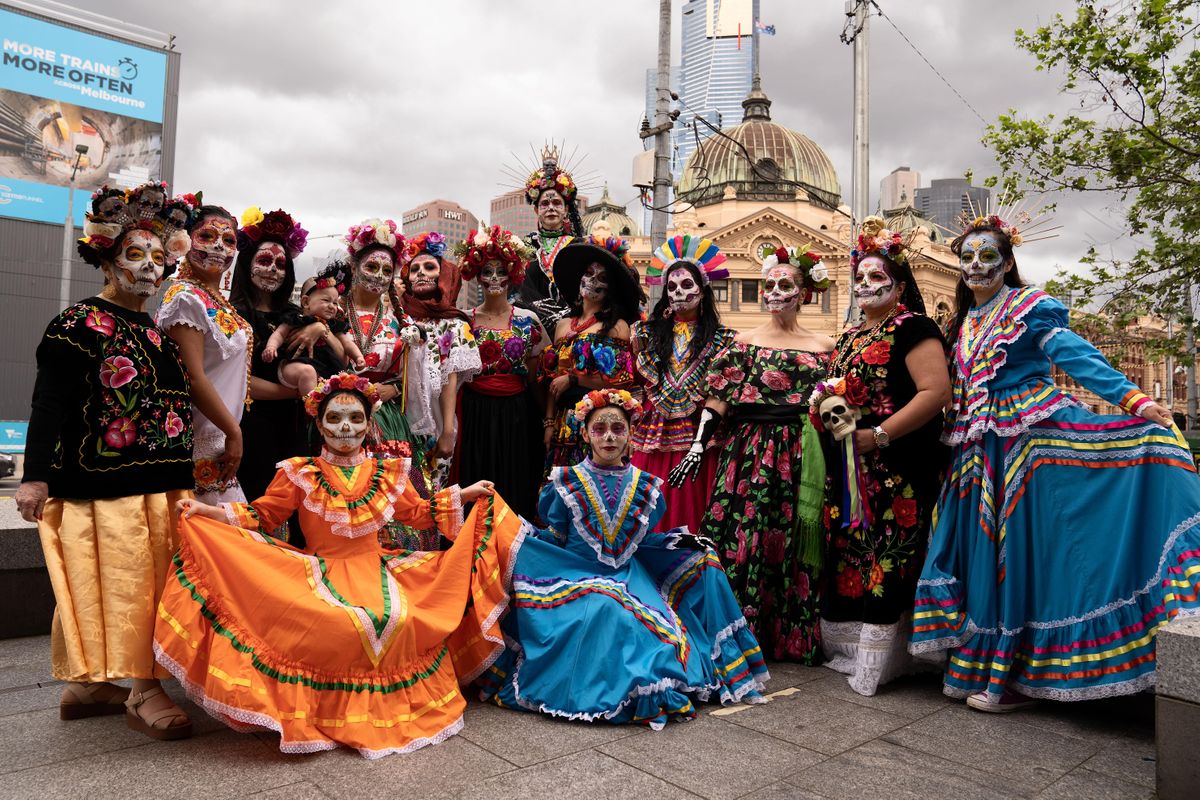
x=702 y=253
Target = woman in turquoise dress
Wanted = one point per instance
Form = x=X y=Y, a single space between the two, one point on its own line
x=1062 y=539
x=610 y=621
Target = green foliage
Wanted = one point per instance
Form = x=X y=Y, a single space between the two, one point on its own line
x=1132 y=69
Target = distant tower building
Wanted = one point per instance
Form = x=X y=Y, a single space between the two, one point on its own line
x=444 y=216
x=899 y=188
x=945 y=199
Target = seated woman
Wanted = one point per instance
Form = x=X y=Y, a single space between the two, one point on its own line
x=345 y=643
x=610 y=621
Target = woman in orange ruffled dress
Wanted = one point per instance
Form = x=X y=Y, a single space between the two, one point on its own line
x=344 y=642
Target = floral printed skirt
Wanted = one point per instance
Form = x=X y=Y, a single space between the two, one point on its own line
x=752 y=519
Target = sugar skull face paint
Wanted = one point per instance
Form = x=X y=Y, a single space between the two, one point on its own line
x=981 y=261
x=138 y=267
x=147 y=204
x=781 y=291
x=423 y=275
x=269 y=267
x=551 y=210
x=214 y=244
x=873 y=286
x=607 y=432
x=113 y=209
x=374 y=271
x=344 y=424
x=594 y=283
x=494 y=278
x=683 y=292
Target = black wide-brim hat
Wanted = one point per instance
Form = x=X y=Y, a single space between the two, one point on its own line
x=577 y=256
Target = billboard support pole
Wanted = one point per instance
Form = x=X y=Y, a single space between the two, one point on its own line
x=64 y=286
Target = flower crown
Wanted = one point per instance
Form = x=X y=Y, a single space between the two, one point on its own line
x=374 y=231
x=600 y=398
x=700 y=253
x=813 y=273
x=615 y=245
x=336 y=275
x=346 y=381
x=553 y=178
x=428 y=243
x=1007 y=228
x=850 y=387
x=876 y=240
x=277 y=224
x=99 y=234
x=496 y=244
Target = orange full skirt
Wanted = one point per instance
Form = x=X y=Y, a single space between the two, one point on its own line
x=366 y=651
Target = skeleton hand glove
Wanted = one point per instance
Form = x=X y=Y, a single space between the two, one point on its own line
x=690 y=465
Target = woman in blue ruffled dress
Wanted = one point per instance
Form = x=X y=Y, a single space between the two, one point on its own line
x=610 y=621
x=1063 y=539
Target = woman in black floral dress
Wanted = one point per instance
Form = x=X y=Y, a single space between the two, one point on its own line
x=893 y=371
x=764 y=515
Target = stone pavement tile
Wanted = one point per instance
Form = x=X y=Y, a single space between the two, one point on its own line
x=1030 y=756
x=217 y=766
x=34 y=698
x=881 y=769
x=785 y=674
x=24 y=661
x=524 y=738
x=1083 y=784
x=589 y=774
x=435 y=771
x=38 y=738
x=1096 y=720
x=783 y=791
x=817 y=721
x=295 y=791
x=711 y=757
x=911 y=697
x=1131 y=758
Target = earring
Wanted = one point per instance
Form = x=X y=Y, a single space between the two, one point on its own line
x=668 y=312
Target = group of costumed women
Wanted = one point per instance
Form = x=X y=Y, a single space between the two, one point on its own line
x=696 y=502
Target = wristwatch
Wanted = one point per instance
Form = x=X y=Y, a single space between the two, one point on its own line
x=882 y=439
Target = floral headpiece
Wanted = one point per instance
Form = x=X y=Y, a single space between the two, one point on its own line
x=429 y=243
x=373 y=231
x=613 y=244
x=1008 y=228
x=335 y=275
x=701 y=253
x=132 y=196
x=495 y=244
x=599 y=398
x=346 y=381
x=554 y=178
x=278 y=225
x=813 y=273
x=876 y=240
x=100 y=234
x=850 y=387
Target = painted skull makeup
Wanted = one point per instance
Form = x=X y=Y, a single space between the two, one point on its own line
x=873 y=286
x=269 y=267
x=147 y=204
x=138 y=267
x=551 y=210
x=494 y=278
x=594 y=283
x=113 y=209
x=214 y=244
x=683 y=292
x=607 y=433
x=344 y=424
x=781 y=292
x=374 y=272
x=981 y=261
x=423 y=275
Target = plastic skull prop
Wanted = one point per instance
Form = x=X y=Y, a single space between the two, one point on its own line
x=838 y=416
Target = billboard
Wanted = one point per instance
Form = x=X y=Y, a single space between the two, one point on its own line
x=59 y=88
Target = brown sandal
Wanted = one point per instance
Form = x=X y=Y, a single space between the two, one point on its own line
x=86 y=705
x=150 y=727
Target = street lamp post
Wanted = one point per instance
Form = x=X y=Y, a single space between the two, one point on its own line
x=64 y=287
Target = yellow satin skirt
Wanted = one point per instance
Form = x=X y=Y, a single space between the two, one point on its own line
x=108 y=561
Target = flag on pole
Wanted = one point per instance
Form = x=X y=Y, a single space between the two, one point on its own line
x=769 y=30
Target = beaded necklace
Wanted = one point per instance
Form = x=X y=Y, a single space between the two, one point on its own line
x=218 y=300
x=364 y=343
x=861 y=341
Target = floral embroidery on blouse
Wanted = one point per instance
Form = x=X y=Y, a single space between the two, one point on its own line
x=506 y=351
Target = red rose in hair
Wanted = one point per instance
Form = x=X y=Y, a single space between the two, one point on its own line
x=782 y=254
x=856 y=391
x=878 y=353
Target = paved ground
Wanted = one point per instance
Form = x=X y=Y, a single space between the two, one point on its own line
x=814 y=739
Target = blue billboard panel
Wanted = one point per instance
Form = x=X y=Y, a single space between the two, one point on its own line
x=61 y=89
x=12 y=436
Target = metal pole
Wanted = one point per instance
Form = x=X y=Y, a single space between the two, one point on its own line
x=64 y=286
x=662 y=122
x=860 y=171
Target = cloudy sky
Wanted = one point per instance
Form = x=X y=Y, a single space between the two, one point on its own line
x=339 y=111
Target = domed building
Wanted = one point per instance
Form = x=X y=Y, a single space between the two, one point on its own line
x=618 y=220
x=760 y=185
